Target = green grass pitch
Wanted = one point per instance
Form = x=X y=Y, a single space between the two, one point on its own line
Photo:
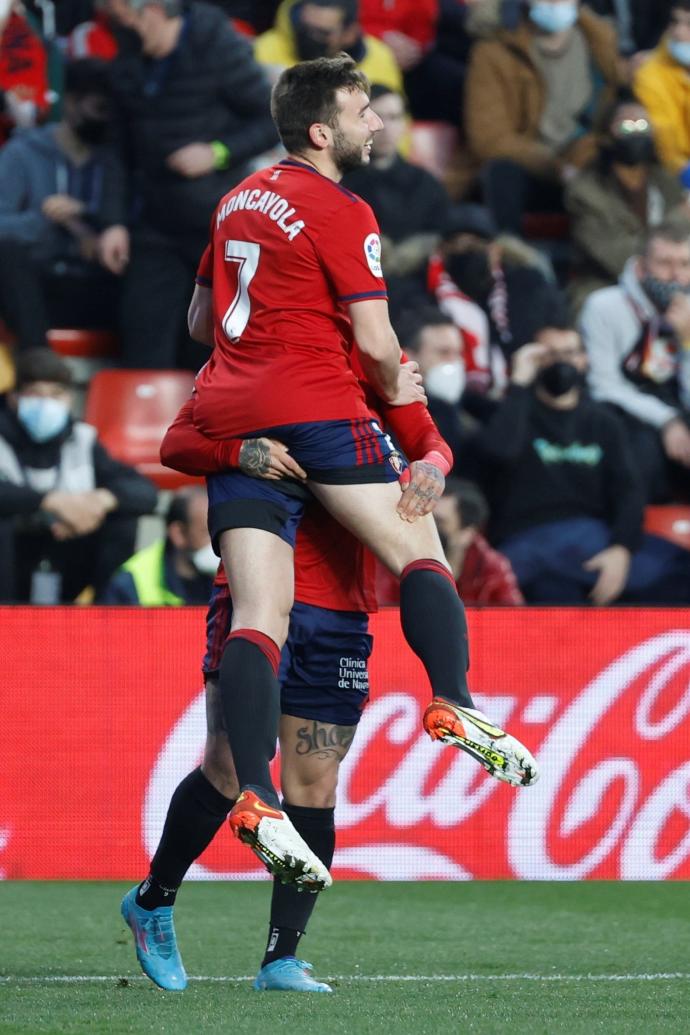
x=405 y=959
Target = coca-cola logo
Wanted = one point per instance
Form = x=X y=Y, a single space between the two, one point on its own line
x=613 y=799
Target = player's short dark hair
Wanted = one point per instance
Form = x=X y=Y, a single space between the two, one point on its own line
x=87 y=76
x=306 y=93
x=33 y=365
x=676 y=233
x=683 y=5
x=471 y=501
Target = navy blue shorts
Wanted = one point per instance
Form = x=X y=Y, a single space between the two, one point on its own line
x=323 y=667
x=336 y=452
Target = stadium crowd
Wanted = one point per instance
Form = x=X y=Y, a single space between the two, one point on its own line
x=531 y=185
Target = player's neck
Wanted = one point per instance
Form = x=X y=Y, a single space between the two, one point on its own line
x=322 y=162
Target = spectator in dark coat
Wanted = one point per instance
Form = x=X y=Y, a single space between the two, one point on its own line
x=68 y=510
x=51 y=192
x=192 y=110
x=566 y=503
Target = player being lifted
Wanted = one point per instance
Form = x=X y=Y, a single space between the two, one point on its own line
x=334 y=590
x=291 y=282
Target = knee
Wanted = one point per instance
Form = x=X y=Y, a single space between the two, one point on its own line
x=310 y=793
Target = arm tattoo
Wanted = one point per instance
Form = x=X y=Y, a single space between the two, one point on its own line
x=255 y=457
x=324 y=740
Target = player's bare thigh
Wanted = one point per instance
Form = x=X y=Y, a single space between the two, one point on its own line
x=259 y=566
x=310 y=756
x=369 y=512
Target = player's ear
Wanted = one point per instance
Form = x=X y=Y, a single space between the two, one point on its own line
x=320 y=135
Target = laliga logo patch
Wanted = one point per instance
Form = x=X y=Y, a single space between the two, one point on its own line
x=396 y=462
x=372 y=252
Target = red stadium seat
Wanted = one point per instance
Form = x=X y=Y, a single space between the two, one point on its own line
x=670 y=521
x=432 y=145
x=84 y=344
x=132 y=410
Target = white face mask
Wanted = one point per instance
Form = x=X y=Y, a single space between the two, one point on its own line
x=205 y=560
x=446 y=381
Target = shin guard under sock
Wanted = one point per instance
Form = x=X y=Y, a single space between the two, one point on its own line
x=290 y=908
x=433 y=622
x=196 y=813
x=250 y=696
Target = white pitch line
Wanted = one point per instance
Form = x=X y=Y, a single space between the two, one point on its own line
x=85 y=978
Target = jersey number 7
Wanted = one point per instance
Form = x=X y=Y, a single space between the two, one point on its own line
x=245 y=257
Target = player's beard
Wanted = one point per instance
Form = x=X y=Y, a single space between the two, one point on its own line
x=346 y=155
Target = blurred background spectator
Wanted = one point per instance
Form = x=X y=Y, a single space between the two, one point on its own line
x=533 y=96
x=411 y=205
x=661 y=83
x=434 y=341
x=307 y=29
x=615 y=200
x=504 y=277
x=192 y=109
x=176 y=570
x=482 y=574
x=68 y=511
x=51 y=198
x=637 y=335
x=24 y=91
x=566 y=502
x=101 y=36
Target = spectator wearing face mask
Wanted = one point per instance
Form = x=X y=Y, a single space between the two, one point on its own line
x=637 y=335
x=618 y=198
x=306 y=29
x=434 y=341
x=565 y=501
x=51 y=194
x=533 y=96
x=496 y=290
x=68 y=510
x=662 y=84
x=176 y=570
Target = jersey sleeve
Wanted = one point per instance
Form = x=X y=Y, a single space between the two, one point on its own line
x=350 y=249
x=204 y=273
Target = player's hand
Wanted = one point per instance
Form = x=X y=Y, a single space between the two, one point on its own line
x=192 y=160
x=410 y=387
x=676 y=440
x=267 y=458
x=613 y=565
x=113 y=249
x=423 y=484
x=526 y=363
x=60 y=208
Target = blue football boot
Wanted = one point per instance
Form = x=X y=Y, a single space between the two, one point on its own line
x=155 y=942
x=288 y=975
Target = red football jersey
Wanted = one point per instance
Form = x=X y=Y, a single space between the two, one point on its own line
x=289 y=250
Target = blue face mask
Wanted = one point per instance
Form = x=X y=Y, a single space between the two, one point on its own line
x=680 y=52
x=42 y=418
x=553 y=17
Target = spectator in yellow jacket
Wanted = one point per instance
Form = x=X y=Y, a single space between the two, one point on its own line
x=662 y=84
x=306 y=29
